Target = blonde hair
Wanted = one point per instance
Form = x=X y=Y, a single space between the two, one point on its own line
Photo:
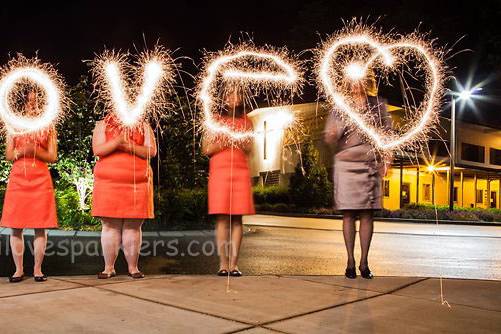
x=371 y=84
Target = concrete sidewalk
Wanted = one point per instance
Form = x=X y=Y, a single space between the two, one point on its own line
x=251 y=304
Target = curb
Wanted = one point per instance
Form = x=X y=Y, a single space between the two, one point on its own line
x=382 y=219
x=96 y=234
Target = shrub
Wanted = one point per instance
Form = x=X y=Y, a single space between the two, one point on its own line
x=70 y=215
x=180 y=209
x=309 y=186
x=271 y=194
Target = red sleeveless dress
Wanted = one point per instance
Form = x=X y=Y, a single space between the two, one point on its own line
x=29 y=199
x=123 y=182
x=229 y=187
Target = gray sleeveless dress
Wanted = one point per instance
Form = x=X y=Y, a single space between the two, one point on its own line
x=356 y=176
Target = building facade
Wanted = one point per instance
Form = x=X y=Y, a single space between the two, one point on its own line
x=413 y=178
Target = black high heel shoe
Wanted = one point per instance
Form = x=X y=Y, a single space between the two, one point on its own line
x=366 y=273
x=350 y=273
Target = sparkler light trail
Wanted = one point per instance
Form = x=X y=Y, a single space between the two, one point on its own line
x=19 y=75
x=134 y=91
x=245 y=66
x=354 y=52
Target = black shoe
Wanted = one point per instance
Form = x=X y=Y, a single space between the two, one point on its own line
x=16 y=279
x=222 y=272
x=40 y=278
x=350 y=273
x=366 y=273
x=235 y=273
x=137 y=275
x=103 y=275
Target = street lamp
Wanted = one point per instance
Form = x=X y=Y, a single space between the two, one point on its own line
x=463 y=95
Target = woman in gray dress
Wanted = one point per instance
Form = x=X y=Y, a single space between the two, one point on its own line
x=358 y=171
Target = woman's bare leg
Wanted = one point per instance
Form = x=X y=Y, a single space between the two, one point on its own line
x=366 y=231
x=132 y=238
x=222 y=240
x=349 y=232
x=236 y=240
x=111 y=237
x=40 y=244
x=17 y=249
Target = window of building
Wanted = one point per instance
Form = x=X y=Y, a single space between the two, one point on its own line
x=479 y=197
x=427 y=192
x=455 y=196
x=386 y=188
x=495 y=156
x=471 y=152
x=439 y=149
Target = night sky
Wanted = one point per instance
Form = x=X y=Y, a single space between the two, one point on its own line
x=65 y=34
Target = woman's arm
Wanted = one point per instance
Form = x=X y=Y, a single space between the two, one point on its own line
x=50 y=154
x=10 y=152
x=100 y=146
x=148 y=150
x=333 y=129
x=210 y=146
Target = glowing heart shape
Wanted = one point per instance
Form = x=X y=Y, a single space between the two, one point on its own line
x=37 y=74
x=383 y=52
x=223 y=65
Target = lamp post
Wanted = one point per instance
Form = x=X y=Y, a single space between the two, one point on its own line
x=452 y=149
x=465 y=94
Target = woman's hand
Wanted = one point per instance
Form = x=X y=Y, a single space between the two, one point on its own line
x=385 y=166
x=124 y=143
x=100 y=146
x=146 y=151
x=28 y=150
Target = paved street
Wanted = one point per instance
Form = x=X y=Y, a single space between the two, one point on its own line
x=472 y=252
x=252 y=305
x=398 y=249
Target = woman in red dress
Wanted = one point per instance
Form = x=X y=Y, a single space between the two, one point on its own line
x=230 y=194
x=29 y=199
x=123 y=189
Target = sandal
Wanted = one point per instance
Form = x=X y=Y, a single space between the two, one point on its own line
x=103 y=275
x=16 y=279
x=235 y=273
x=137 y=275
x=42 y=278
x=222 y=272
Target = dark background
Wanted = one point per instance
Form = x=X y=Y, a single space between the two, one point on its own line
x=67 y=33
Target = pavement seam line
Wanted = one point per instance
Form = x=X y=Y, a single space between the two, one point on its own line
x=257 y=326
x=108 y=283
x=451 y=303
x=264 y=324
x=174 y=306
x=420 y=279
x=40 y=292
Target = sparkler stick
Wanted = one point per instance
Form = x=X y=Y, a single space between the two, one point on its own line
x=19 y=75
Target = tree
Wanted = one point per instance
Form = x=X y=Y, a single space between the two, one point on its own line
x=309 y=185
